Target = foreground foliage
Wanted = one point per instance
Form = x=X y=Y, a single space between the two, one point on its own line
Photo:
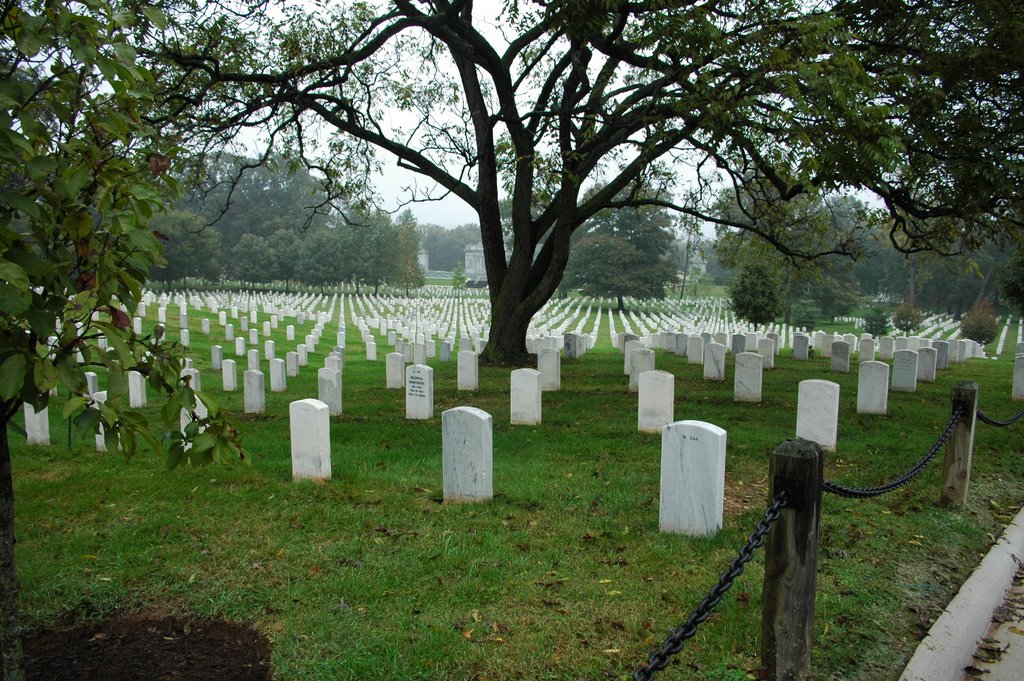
x=80 y=177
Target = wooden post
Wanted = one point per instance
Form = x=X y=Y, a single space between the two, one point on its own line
x=956 y=475
x=791 y=562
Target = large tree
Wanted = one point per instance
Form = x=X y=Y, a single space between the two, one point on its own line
x=625 y=253
x=920 y=104
x=80 y=178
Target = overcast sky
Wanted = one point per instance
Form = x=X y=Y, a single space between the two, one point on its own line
x=449 y=212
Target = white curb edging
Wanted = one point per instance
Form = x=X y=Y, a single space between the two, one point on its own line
x=953 y=639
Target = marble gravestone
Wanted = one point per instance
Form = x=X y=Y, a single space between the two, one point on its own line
x=692 y=490
x=817 y=412
x=549 y=364
x=229 y=375
x=310 y=439
x=714 y=362
x=394 y=367
x=841 y=357
x=873 y=388
x=525 y=397
x=1018 y=378
x=748 y=378
x=467 y=455
x=328 y=383
x=655 y=401
x=254 y=392
x=904 y=371
x=642 y=359
x=419 y=392
x=468 y=370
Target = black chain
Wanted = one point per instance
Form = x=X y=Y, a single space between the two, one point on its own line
x=868 y=492
x=1001 y=424
x=674 y=643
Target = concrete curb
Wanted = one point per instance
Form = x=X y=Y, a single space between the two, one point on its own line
x=953 y=639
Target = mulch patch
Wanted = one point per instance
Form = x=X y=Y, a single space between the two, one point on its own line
x=136 y=647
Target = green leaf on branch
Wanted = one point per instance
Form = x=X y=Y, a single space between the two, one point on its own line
x=12 y=376
x=14 y=275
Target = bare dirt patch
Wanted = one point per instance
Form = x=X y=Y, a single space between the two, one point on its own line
x=135 y=647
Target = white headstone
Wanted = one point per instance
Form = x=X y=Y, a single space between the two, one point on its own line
x=468 y=370
x=549 y=364
x=254 y=392
x=101 y=434
x=766 y=348
x=525 y=397
x=37 y=425
x=278 y=382
x=92 y=383
x=866 y=350
x=419 y=392
x=817 y=412
x=311 y=439
x=229 y=375
x=873 y=388
x=239 y=347
x=714 y=362
x=656 y=401
x=269 y=350
x=692 y=478
x=886 y=346
x=926 y=360
x=748 y=379
x=841 y=357
x=467 y=451
x=395 y=370
x=627 y=353
x=641 y=360
x=941 y=354
x=291 y=363
x=695 y=350
x=1018 y=377
x=801 y=346
x=252 y=359
x=136 y=389
x=371 y=351
x=329 y=389
x=904 y=371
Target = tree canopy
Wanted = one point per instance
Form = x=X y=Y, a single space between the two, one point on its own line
x=919 y=104
x=624 y=253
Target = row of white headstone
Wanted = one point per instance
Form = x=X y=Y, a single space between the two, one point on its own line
x=693 y=453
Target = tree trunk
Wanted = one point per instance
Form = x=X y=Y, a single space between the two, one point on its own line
x=911 y=284
x=506 y=345
x=10 y=626
x=622 y=307
x=984 y=286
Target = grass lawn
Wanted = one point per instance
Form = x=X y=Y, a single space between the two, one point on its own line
x=564 y=575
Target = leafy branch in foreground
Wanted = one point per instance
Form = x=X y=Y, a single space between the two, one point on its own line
x=80 y=176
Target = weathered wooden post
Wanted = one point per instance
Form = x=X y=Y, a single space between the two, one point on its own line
x=956 y=473
x=791 y=561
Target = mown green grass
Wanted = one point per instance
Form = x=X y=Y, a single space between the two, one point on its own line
x=564 y=575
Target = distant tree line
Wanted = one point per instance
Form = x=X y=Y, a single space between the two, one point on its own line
x=269 y=224
x=766 y=285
